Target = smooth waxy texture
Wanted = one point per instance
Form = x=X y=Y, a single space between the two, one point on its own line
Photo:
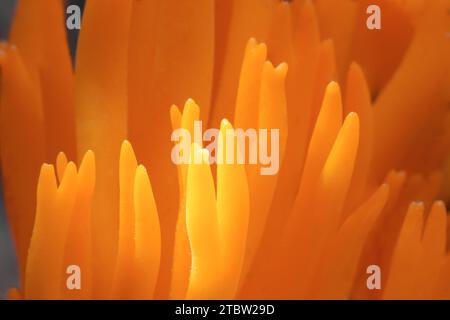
x=363 y=133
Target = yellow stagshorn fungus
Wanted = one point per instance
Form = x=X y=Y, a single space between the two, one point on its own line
x=364 y=142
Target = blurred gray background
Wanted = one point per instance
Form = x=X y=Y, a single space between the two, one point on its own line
x=8 y=264
x=8 y=267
